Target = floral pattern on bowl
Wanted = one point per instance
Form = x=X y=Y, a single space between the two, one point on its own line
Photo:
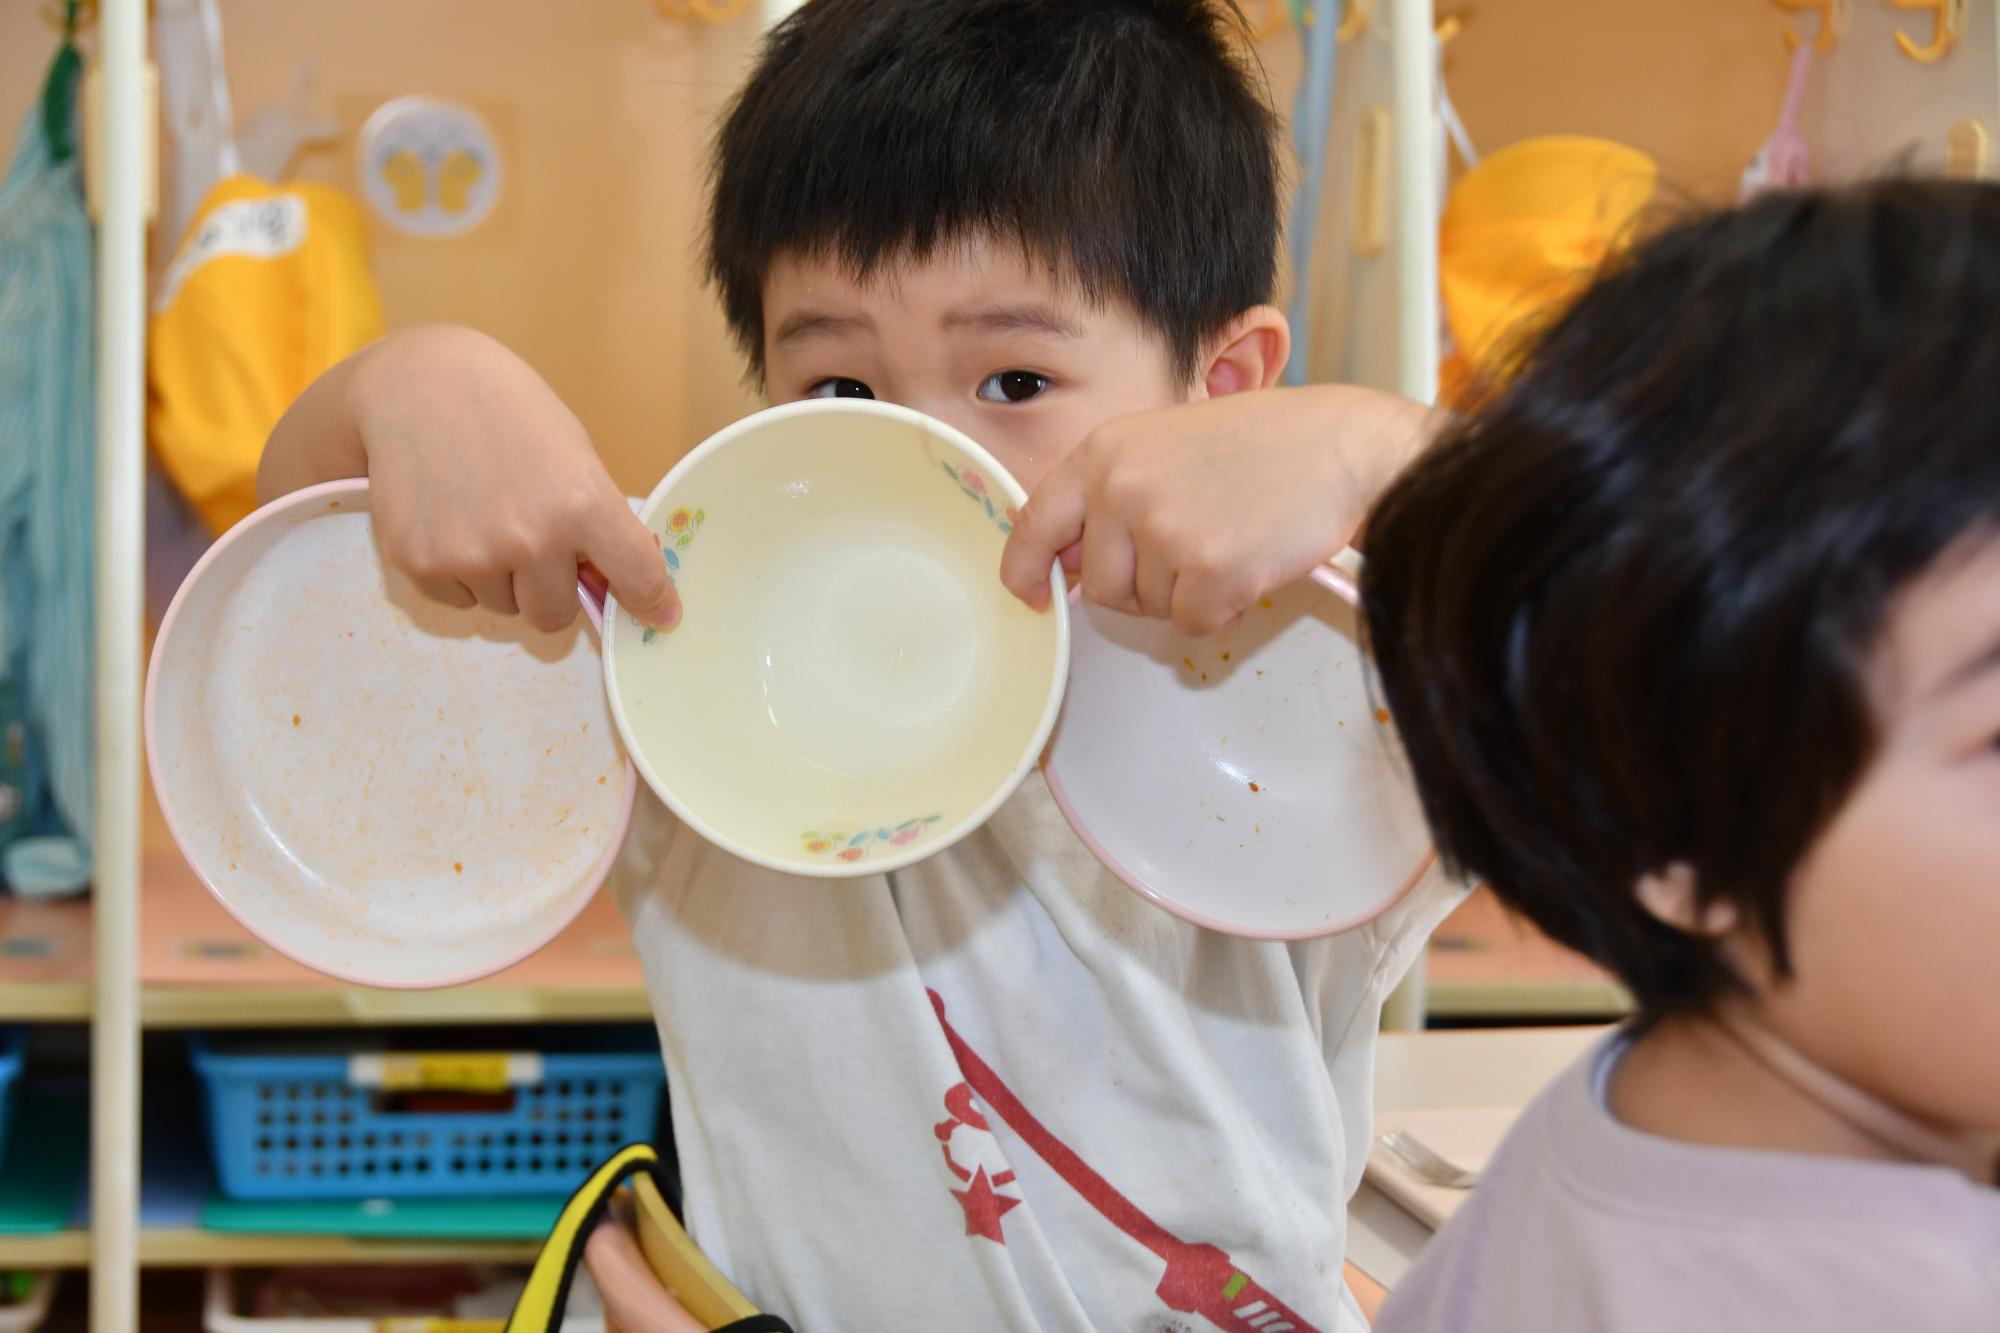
x=682 y=525
x=1004 y=516
x=853 y=847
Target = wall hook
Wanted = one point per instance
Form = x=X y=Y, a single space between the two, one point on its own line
x=1833 y=15
x=1947 y=22
x=1359 y=14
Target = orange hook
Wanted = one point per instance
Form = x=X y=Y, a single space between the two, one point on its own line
x=1947 y=22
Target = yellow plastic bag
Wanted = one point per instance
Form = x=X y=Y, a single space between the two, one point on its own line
x=270 y=288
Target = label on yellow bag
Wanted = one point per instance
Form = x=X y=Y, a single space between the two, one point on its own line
x=445 y=1071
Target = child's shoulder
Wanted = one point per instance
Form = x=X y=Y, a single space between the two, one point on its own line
x=1580 y=1222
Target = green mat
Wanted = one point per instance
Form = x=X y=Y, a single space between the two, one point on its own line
x=48 y=1148
x=382 y=1219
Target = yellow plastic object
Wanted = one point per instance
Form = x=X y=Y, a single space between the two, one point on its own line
x=1360 y=13
x=1947 y=24
x=671 y=1254
x=693 y=1282
x=1968 y=150
x=1525 y=230
x=1833 y=17
x=269 y=289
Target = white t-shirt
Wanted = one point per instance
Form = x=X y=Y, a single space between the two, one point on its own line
x=1580 y=1223
x=999 y=1090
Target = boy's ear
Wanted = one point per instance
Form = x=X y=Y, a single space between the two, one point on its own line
x=1248 y=354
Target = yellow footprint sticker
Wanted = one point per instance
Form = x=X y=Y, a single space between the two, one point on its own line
x=431 y=167
x=405 y=178
x=458 y=175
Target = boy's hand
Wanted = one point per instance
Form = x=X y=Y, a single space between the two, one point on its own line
x=486 y=489
x=1192 y=513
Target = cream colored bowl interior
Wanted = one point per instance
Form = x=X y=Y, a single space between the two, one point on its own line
x=852 y=688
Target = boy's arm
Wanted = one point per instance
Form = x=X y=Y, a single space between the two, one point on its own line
x=485 y=488
x=317 y=439
x=1191 y=513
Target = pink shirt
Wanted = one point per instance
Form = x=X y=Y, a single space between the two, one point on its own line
x=1583 y=1224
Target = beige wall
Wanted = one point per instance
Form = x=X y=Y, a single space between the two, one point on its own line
x=589 y=265
x=1695 y=83
x=604 y=109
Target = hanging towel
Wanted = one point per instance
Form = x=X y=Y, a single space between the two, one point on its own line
x=270 y=288
x=48 y=427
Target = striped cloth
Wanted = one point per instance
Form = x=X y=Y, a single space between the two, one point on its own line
x=47 y=439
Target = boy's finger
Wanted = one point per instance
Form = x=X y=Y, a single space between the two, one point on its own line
x=447 y=592
x=546 y=595
x=1201 y=607
x=1110 y=566
x=1155 y=580
x=1050 y=525
x=495 y=592
x=629 y=557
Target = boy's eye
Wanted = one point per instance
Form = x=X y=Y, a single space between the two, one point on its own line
x=840 y=388
x=1013 y=386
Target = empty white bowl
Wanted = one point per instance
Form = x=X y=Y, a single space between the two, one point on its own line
x=388 y=790
x=1246 y=782
x=852 y=688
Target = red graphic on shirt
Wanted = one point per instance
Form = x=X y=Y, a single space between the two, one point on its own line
x=983 y=1203
x=1200 y=1279
x=984 y=1207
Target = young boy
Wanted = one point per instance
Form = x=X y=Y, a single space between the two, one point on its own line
x=1693 y=637
x=996 y=1090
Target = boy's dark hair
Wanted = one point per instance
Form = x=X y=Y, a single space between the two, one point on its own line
x=1127 y=143
x=1626 y=614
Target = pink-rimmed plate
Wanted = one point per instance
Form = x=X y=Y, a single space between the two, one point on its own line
x=1247 y=782
x=387 y=790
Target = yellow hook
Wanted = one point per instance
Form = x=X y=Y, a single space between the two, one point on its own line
x=1947 y=22
x=1833 y=16
x=1359 y=13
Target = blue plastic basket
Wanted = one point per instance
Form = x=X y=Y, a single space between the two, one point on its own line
x=299 y=1126
x=11 y=1045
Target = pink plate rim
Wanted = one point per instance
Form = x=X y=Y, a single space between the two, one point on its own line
x=309 y=497
x=1110 y=862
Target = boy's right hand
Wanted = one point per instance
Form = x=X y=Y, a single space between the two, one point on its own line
x=485 y=487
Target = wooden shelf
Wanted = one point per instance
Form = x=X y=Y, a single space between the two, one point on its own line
x=45 y=955
x=191 y=1247
x=1486 y=963
x=199 y=968
x=58 y=1249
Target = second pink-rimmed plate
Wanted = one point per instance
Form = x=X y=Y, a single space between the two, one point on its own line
x=387 y=790
x=1247 y=782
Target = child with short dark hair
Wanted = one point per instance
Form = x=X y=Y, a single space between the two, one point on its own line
x=1692 y=635
x=996 y=1090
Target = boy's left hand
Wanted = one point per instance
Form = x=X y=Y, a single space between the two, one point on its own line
x=1192 y=513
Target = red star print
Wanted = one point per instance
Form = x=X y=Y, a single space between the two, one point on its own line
x=984 y=1207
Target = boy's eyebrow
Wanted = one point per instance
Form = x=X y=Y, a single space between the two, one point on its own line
x=802 y=324
x=1029 y=317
